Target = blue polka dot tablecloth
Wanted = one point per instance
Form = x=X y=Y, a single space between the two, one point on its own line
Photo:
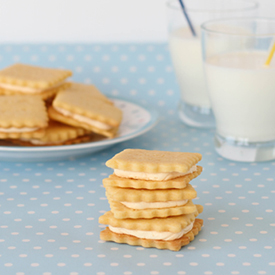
x=49 y=210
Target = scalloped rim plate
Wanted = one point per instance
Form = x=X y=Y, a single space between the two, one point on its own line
x=137 y=120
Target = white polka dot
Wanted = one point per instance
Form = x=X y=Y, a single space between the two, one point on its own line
x=253 y=240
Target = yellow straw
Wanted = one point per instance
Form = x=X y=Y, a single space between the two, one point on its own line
x=267 y=63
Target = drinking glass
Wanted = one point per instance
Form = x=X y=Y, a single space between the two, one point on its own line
x=185 y=49
x=240 y=75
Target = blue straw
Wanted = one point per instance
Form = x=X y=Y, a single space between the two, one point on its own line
x=187 y=18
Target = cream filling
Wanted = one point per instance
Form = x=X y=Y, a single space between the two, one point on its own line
x=83 y=119
x=152 y=235
x=38 y=142
x=25 y=89
x=152 y=176
x=149 y=205
x=17 y=130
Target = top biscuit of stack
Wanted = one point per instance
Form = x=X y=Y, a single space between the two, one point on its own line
x=138 y=160
x=28 y=79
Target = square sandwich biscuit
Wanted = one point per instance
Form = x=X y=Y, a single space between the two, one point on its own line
x=144 y=203
x=176 y=183
x=169 y=233
x=86 y=108
x=22 y=117
x=57 y=134
x=153 y=165
x=26 y=79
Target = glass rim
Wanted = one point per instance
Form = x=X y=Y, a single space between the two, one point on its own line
x=253 y=5
x=205 y=26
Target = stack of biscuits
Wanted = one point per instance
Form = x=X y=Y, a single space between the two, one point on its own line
x=40 y=107
x=151 y=199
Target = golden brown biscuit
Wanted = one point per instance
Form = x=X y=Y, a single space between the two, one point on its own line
x=177 y=183
x=121 y=211
x=153 y=161
x=57 y=134
x=174 y=245
x=145 y=195
x=22 y=117
x=29 y=79
x=173 y=224
x=85 y=108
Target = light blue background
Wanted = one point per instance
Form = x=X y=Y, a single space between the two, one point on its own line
x=49 y=210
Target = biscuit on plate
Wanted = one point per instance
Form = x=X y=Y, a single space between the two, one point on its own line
x=57 y=134
x=22 y=116
x=26 y=79
x=85 y=108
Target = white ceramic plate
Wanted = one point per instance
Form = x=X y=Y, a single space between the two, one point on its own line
x=137 y=120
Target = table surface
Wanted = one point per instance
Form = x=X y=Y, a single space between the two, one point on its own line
x=49 y=210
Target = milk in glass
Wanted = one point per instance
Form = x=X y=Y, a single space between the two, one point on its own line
x=242 y=92
x=186 y=56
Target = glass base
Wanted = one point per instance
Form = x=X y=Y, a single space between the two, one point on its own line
x=243 y=150
x=200 y=117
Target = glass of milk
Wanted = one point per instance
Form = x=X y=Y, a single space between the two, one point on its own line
x=241 y=86
x=185 y=49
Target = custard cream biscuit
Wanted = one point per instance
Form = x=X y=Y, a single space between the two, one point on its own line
x=174 y=224
x=149 y=232
x=57 y=134
x=88 y=90
x=177 y=183
x=22 y=117
x=125 y=210
x=152 y=164
x=45 y=95
x=174 y=245
x=144 y=195
x=77 y=108
x=29 y=79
